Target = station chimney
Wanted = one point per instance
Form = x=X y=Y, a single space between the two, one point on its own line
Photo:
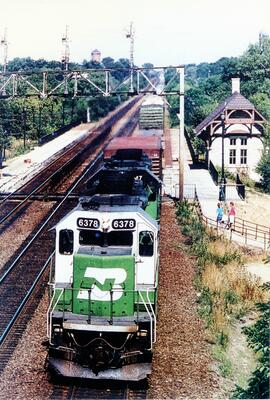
x=236 y=85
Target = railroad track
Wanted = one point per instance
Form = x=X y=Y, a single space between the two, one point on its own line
x=17 y=279
x=21 y=278
x=48 y=179
x=20 y=318
x=99 y=390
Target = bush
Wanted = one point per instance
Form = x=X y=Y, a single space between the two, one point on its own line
x=183 y=211
x=229 y=175
x=264 y=170
x=258 y=340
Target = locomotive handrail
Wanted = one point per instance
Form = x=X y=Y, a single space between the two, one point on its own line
x=49 y=314
x=150 y=317
x=154 y=316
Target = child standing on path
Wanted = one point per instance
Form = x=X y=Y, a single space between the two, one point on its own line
x=232 y=213
x=219 y=213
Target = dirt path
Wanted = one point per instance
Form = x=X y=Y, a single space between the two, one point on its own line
x=182 y=362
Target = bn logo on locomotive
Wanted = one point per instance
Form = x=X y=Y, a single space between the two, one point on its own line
x=101 y=282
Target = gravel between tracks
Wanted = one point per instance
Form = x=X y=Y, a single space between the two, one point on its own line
x=13 y=237
x=182 y=363
x=24 y=376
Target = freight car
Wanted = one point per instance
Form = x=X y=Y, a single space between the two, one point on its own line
x=102 y=314
x=152 y=113
x=150 y=145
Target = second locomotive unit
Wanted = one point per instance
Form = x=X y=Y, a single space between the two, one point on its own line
x=102 y=315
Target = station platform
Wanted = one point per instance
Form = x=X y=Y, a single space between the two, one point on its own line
x=18 y=170
x=194 y=176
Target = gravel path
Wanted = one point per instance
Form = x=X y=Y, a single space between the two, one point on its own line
x=181 y=364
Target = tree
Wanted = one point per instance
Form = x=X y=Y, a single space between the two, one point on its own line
x=4 y=143
x=108 y=62
x=264 y=169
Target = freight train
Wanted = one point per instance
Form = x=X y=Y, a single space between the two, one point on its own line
x=103 y=308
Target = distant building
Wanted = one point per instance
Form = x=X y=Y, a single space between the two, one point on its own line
x=96 y=56
x=243 y=137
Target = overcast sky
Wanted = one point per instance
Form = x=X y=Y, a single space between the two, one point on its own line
x=167 y=32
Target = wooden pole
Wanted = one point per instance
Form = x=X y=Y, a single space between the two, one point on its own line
x=181 y=117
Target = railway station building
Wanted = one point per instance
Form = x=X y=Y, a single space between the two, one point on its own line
x=242 y=132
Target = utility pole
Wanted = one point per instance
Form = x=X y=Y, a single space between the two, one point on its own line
x=181 y=117
x=65 y=57
x=4 y=43
x=222 y=187
x=24 y=127
x=130 y=35
x=88 y=119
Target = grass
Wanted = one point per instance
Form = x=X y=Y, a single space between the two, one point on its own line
x=226 y=291
x=17 y=148
x=225 y=364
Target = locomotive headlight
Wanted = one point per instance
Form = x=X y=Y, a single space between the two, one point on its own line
x=142 y=333
x=58 y=330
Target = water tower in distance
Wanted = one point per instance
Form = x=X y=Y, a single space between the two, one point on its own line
x=96 y=56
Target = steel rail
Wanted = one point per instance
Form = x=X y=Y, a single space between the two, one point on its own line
x=76 y=183
x=42 y=184
x=7 y=272
x=99 y=125
x=24 y=301
x=102 y=126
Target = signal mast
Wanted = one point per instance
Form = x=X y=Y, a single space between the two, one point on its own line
x=130 y=35
x=4 y=43
x=65 y=58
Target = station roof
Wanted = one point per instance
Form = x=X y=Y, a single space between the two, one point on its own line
x=234 y=102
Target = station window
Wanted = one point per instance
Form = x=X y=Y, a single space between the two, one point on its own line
x=66 y=241
x=104 y=239
x=233 y=141
x=232 y=159
x=243 y=156
x=243 y=141
x=146 y=243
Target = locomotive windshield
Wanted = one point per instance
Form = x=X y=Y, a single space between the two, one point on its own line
x=104 y=239
x=66 y=240
x=146 y=244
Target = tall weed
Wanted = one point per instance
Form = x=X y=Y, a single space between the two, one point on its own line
x=227 y=290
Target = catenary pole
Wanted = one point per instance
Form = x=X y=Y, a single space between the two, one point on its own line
x=181 y=117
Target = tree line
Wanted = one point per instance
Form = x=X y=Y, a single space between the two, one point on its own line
x=30 y=118
x=208 y=84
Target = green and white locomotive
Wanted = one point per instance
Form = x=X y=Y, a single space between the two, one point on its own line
x=102 y=314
